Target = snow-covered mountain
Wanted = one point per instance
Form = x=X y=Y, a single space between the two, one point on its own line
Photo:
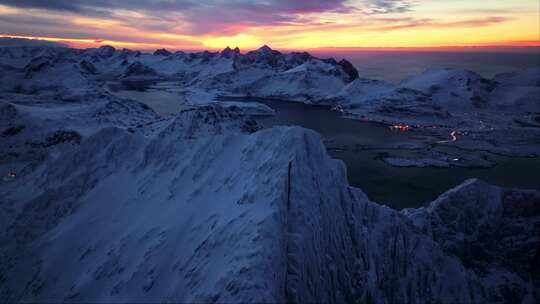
x=205 y=207
x=102 y=200
x=518 y=92
x=436 y=93
x=452 y=88
x=297 y=76
x=501 y=115
x=442 y=95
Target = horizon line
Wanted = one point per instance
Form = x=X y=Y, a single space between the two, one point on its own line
x=82 y=43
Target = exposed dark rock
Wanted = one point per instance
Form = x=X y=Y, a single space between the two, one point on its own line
x=139 y=69
x=489 y=229
x=106 y=51
x=12 y=131
x=349 y=69
x=162 y=52
x=88 y=67
x=59 y=137
x=264 y=49
x=229 y=53
x=37 y=64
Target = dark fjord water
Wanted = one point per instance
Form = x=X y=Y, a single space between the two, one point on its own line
x=360 y=145
x=355 y=142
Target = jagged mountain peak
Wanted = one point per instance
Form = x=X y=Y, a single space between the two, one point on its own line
x=106 y=50
x=265 y=49
x=227 y=52
x=162 y=52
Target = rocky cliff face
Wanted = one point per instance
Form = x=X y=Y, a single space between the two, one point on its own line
x=205 y=207
x=493 y=231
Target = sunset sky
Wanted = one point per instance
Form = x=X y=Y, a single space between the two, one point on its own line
x=284 y=24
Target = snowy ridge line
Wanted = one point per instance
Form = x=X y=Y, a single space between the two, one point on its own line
x=206 y=207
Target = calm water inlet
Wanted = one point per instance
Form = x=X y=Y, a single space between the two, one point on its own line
x=360 y=145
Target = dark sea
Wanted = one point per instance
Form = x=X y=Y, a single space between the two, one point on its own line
x=395 y=66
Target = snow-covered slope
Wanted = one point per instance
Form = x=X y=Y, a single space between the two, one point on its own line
x=429 y=98
x=529 y=77
x=205 y=207
x=34 y=126
x=310 y=82
x=451 y=88
x=264 y=72
x=382 y=101
x=448 y=96
x=501 y=115
x=518 y=91
x=493 y=231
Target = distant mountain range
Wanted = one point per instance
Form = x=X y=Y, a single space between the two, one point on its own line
x=456 y=99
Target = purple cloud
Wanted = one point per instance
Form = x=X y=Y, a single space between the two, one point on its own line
x=194 y=17
x=271 y=6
